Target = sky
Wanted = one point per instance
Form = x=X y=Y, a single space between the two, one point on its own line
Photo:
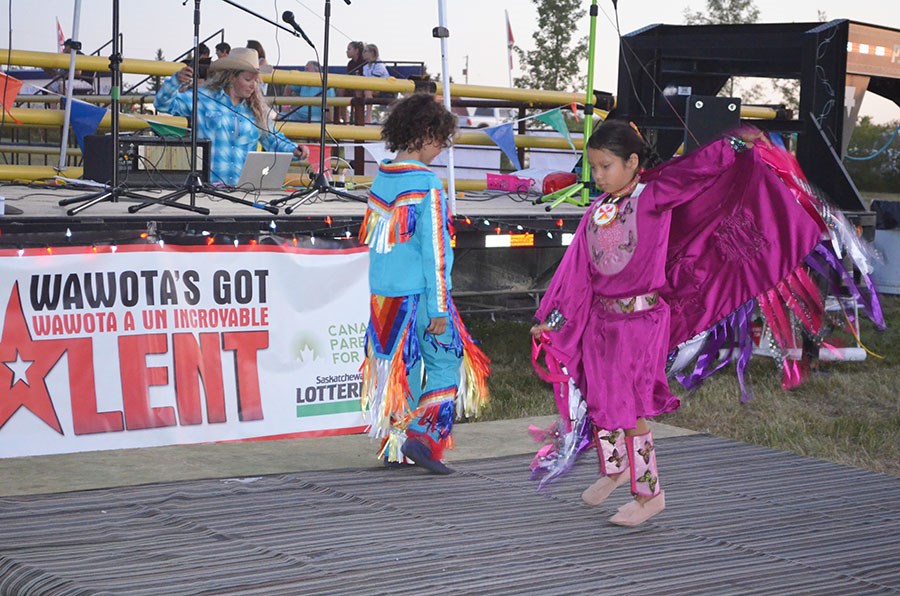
x=402 y=29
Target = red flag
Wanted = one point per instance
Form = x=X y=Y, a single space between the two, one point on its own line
x=60 y=38
x=510 y=41
x=9 y=89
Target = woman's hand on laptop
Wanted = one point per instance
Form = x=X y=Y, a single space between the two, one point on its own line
x=301 y=152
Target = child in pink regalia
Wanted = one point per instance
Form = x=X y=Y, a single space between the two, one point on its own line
x=663 y=256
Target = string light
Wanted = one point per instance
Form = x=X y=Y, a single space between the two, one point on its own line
x=21 y=251
x=204 y=233
x=272 y=225
x=210 y=240
x=113 y=248
x=161 y=242
x=68 y=233
x=328 y=220
x=487 y=223
x=312 y=240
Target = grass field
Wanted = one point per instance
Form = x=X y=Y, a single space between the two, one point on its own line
x=847 y=412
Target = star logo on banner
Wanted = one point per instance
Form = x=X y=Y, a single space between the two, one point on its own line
x=27 y=364
x=19 y=367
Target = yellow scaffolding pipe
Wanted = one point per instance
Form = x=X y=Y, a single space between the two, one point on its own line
x=29 y=173
x=391 y=85
x=294 y=130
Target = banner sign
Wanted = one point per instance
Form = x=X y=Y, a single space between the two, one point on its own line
x=147 y=345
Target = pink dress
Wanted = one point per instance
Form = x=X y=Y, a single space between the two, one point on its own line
x=691 y=233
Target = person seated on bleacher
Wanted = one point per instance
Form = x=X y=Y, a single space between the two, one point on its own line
x=203 y=61
x=306 y=113
x=83 y=83
x=223 y=48
x=373 y=67
x=231 y=113
x=354 y=67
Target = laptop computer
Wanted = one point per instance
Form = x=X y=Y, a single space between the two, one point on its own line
x=265 y=170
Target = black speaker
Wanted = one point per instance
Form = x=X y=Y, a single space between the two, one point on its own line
x=708 y=117
x=161 y=162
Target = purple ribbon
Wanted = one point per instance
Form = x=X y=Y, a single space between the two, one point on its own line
x=745 y=342
x=827 y=258
x=730 y=334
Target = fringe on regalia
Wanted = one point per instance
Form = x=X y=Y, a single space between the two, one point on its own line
x=392 y=350
x=795 y=307
x=386 y=224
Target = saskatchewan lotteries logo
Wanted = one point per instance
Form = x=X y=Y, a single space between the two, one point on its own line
x=337 y=392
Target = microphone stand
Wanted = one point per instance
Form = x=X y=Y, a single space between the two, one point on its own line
x=320 y=185
x=194 y=185
x=112 y=193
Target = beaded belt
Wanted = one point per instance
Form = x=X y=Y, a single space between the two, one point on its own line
x=632 y=304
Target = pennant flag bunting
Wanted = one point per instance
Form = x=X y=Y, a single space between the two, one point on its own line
x=84 y=118
x=555 y=119
x=168 y=130
x=503 y=137
x=9 y=90
x=574 y=107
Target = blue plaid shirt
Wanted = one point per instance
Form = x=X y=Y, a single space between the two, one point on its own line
x=231 y=129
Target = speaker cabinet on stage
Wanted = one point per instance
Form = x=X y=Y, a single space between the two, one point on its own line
x=161 y=162
x=708 y=117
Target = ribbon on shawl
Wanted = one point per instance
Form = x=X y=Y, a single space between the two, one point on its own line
x=788 y=170
x=822 y=259
x=732 y=334
x=569 y=436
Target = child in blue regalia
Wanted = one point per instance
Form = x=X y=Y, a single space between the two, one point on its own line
x=413 y=322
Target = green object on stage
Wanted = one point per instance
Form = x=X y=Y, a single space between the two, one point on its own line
x=168 y=130
x=579 y=193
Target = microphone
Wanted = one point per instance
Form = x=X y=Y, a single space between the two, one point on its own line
x=288 y=17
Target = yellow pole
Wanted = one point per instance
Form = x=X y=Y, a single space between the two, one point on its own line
x=390 y=85
x=34 y=172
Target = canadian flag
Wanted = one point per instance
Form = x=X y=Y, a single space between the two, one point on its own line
x=60 y=37
x=510 y=41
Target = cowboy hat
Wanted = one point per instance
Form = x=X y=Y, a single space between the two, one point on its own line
x=239 y=59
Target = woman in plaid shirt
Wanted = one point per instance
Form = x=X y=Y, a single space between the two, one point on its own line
x=231 y=113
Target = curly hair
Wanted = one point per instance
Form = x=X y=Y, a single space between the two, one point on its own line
x=415 y=120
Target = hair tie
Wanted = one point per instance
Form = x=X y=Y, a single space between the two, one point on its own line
x=638 y=132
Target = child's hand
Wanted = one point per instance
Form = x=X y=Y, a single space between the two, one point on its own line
x=538 y=329
x=438 y=326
